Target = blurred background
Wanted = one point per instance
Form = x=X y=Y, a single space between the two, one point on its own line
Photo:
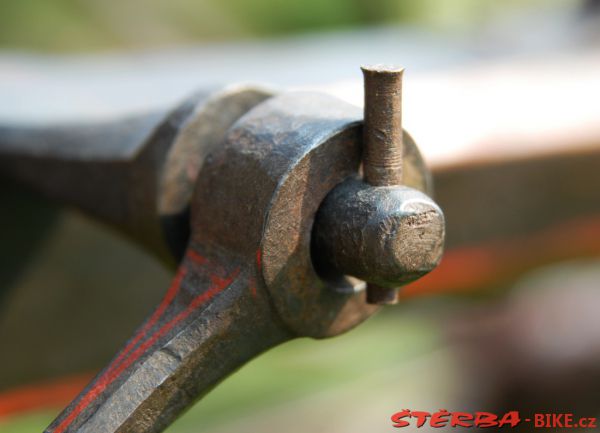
x=86 y=25
x=516 y=329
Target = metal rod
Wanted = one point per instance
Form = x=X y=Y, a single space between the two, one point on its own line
x=382 y=142
x=382 y=152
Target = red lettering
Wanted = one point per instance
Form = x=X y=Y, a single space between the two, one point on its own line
x=443 y=418
x=421 y=417
x=538 y=420
x=397 y=418
x=439 y=419
x=459 y=419
x=485 y=420
x=556 y=420
x=569 y=420
x=511 y=418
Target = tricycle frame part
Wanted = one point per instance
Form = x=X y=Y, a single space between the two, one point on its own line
x=246 y=280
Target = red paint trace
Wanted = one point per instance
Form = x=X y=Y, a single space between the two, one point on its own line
x=47 y=394
x=196 y=257
x=164 y=304
x=258 y=258
x=124 y=361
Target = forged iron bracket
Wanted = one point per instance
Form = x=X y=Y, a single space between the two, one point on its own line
x=228 y=186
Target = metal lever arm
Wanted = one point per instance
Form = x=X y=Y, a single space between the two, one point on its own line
x=99 y=167
x=246 y=281
x=136 y=174
x=214 y=317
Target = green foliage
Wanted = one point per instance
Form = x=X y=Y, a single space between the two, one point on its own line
x=76 y=25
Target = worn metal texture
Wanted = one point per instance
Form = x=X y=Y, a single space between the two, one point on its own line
x=383 y=125
x=404 y=224
x=246 y=281
x=198 y=334
x=496 y=185
x=229 y=186
x=198 y=136
x=386 y=235
x=315 y=138
x=127 y=173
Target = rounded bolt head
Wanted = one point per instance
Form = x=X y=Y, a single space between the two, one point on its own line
x=411 y=232
x=386 y=235
x=379 y=231
x=403 y=236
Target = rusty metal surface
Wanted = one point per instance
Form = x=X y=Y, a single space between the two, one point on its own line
x=517 y=208
x=388 y=236
x=129 y=172
x=198 y=334
x=487 y=194
x=508 y=212
x=383 y=133
x=246 y=173
x=384 y=217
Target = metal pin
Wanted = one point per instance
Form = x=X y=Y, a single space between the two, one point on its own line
x=382 y=143
x=382 y=152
